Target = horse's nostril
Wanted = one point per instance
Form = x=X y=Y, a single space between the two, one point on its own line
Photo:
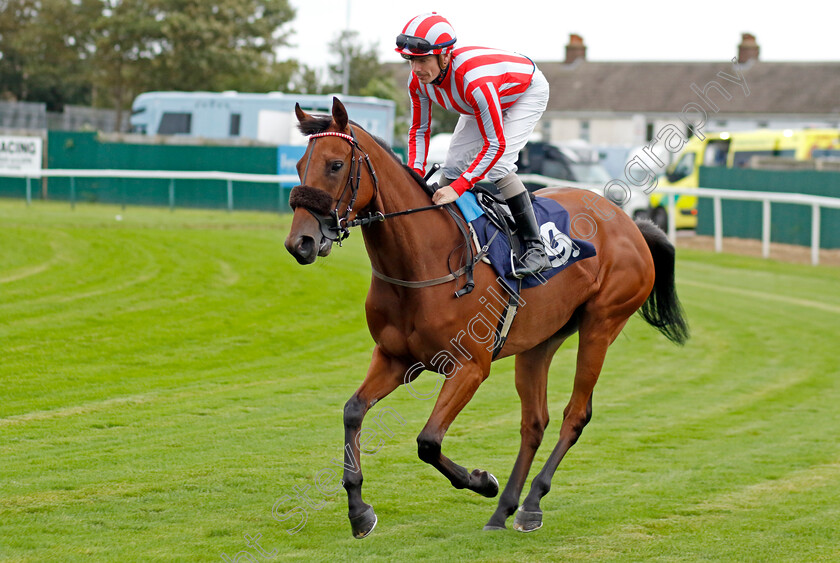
x=306 y=246
x=303 y=249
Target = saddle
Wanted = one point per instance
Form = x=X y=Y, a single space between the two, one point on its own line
x=491 y=221
x=497 y=212
x=486 y=220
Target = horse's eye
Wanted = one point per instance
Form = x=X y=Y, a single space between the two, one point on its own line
x=337 y=165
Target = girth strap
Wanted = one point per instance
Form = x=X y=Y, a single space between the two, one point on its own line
x=418 y=284
x=466 y=269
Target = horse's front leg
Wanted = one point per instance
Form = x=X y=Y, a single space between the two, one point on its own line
x=454 y=395
x=384 y=375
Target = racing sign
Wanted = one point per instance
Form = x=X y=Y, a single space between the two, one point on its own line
x=21 y=154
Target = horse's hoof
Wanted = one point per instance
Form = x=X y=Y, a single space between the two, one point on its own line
x=488 y=485
x=364 y=523
x=493 y=528
x=526 y=521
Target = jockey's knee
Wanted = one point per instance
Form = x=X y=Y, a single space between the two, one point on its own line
x=510 y=185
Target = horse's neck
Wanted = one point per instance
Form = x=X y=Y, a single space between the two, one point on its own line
x=414 y=246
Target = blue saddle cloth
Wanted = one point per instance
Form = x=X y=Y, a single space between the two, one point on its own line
x=554 y=224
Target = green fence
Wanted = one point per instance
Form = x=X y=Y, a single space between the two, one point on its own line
x=16 y=187
x=73 y=150
x=790 y=224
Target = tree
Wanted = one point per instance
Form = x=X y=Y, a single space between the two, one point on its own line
x=42 y=51
x=364 y=65
x=107 y=51
x=369 y=77
x=305 y=80
x=124 y=42
x=225 y=44
x=188 y=45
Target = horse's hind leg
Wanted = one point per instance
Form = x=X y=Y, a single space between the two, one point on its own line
x=531 y=383
x=454 y=395
x=595 y=337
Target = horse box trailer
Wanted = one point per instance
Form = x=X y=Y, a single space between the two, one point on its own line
x=269 y=117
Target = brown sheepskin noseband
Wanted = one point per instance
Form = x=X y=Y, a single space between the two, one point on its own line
x=312 y=199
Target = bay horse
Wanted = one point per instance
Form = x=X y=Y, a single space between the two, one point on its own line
x=348 y=175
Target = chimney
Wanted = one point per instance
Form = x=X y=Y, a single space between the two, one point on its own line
x=575 y=49
x=748 y=49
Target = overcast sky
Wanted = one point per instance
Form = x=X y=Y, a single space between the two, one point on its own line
x=626 y=30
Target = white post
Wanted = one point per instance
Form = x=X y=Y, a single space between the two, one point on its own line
x=718 y=220
x=672 y=218
x=172 y=194
x=765 y=228
x=230 y=195
x=345 y=56
x=815 y=234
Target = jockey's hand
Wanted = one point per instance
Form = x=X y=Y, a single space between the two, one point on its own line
x=445 y=195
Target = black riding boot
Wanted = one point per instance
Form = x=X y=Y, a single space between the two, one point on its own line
x=534 y=258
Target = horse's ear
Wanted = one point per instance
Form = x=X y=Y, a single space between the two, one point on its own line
x=301 y=115
x=339 y=114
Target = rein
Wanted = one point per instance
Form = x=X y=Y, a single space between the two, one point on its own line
x=379 y=216
x=336 y=227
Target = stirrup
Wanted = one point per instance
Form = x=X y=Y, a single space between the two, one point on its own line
x=533 y=261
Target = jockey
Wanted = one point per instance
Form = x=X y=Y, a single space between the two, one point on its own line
x=500 y=96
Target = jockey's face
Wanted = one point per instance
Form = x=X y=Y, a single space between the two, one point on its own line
x=427 y=68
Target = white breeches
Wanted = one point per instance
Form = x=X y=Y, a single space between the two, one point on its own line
x=518 y=122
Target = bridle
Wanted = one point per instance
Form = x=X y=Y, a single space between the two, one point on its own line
x=335 y=226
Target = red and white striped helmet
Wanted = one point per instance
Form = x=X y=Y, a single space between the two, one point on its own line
x=426 y=34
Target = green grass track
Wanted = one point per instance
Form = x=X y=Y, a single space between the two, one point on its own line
x=166 y=378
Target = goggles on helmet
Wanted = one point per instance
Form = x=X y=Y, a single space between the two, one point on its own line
x=418 y=45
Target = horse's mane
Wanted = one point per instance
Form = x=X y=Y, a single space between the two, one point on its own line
x=321 y=123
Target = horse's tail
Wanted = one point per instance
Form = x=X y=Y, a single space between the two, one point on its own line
x=662 y=308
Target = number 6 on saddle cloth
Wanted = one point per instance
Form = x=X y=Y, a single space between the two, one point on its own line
x=488 y=215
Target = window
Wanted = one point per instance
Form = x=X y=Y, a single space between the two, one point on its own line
x=235 y=120
x=825 y=153
x=716 y=152
x=742 y=159
x=554 y=165
x=684 y=168
x=174 y=123
x=556 y=169
x=584 y=130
